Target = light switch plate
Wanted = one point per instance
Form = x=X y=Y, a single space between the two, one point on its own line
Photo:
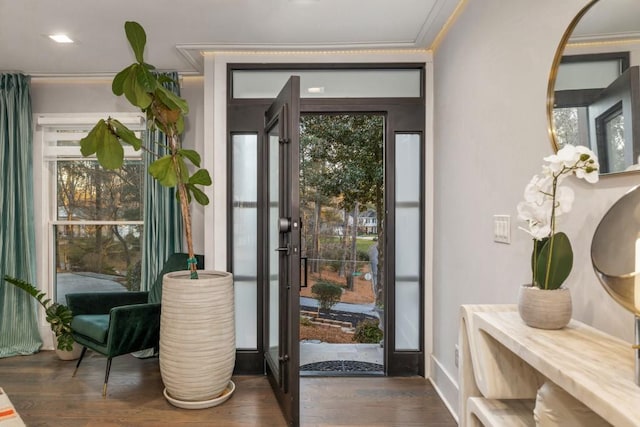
x=502 y=229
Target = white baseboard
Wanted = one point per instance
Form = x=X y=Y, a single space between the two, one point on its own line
x=446 y=386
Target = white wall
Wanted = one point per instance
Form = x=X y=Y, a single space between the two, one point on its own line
x=490 y=126
x=89 y=95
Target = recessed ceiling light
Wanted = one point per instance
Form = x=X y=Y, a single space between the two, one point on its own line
x=60 y=38
x=319 y=89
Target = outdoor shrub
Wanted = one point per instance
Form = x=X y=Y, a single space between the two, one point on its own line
x=305 y=321
x=362 y=255
x=367 y=332
x=328 y=294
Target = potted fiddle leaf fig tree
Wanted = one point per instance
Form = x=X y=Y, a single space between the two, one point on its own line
x=192 y=377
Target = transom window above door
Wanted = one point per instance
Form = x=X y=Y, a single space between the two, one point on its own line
x=329 y=83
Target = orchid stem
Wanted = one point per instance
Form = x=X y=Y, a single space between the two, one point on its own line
x=553 y=229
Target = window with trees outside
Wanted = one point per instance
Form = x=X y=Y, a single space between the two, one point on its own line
x=95 y=216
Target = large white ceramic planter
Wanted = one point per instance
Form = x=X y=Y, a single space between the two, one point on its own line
x=545 y=309
x=197 y=337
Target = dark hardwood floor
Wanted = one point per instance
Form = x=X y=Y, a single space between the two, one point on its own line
x=44 y=393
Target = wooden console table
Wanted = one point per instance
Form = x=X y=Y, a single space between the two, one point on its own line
x=503 y=362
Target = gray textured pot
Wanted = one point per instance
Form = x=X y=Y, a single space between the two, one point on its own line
x=197 y=337
x=545 y=309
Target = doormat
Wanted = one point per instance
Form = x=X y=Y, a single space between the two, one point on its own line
x=351 y=366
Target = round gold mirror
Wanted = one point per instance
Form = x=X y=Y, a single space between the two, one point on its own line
x=593 y=95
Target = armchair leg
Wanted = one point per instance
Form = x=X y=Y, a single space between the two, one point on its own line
x=106 y=378
x=84 y=350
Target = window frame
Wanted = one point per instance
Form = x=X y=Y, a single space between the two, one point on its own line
x=45 y=159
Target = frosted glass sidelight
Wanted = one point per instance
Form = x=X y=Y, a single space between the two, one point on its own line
x=407 y=316
x=390 y=83
x=407 y=167
x=247 y=318
x=245 y=168
x=245 y=242
x=408 y=242
x=245 y=234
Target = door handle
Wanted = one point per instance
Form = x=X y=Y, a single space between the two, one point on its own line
x=305 y=280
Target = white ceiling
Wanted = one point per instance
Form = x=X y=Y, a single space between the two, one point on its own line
x=609 y=20
x=179 y=31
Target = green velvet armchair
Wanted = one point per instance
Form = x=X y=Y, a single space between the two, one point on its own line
x=117 y=323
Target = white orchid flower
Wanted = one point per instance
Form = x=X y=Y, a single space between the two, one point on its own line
x=534 y=212
x=591 y=177
x=544 y=190
x=564 y=200
x=571 y=159
x=537 y=216
x=545 y=200
x=537 y=231
x=565 y=157
x=588 y=169
x=538 y=188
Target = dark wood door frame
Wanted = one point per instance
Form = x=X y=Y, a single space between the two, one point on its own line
x=402 y=115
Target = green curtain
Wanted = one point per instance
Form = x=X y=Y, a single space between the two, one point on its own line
x=18 y=311
x=162 y=233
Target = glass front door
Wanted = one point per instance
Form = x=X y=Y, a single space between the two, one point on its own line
x=266 y=248
x=283 y=249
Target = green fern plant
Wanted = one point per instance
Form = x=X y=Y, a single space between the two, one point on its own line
x=58 y=315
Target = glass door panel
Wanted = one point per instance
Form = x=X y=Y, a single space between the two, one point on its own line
x=273 y=347
x=283 y=249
